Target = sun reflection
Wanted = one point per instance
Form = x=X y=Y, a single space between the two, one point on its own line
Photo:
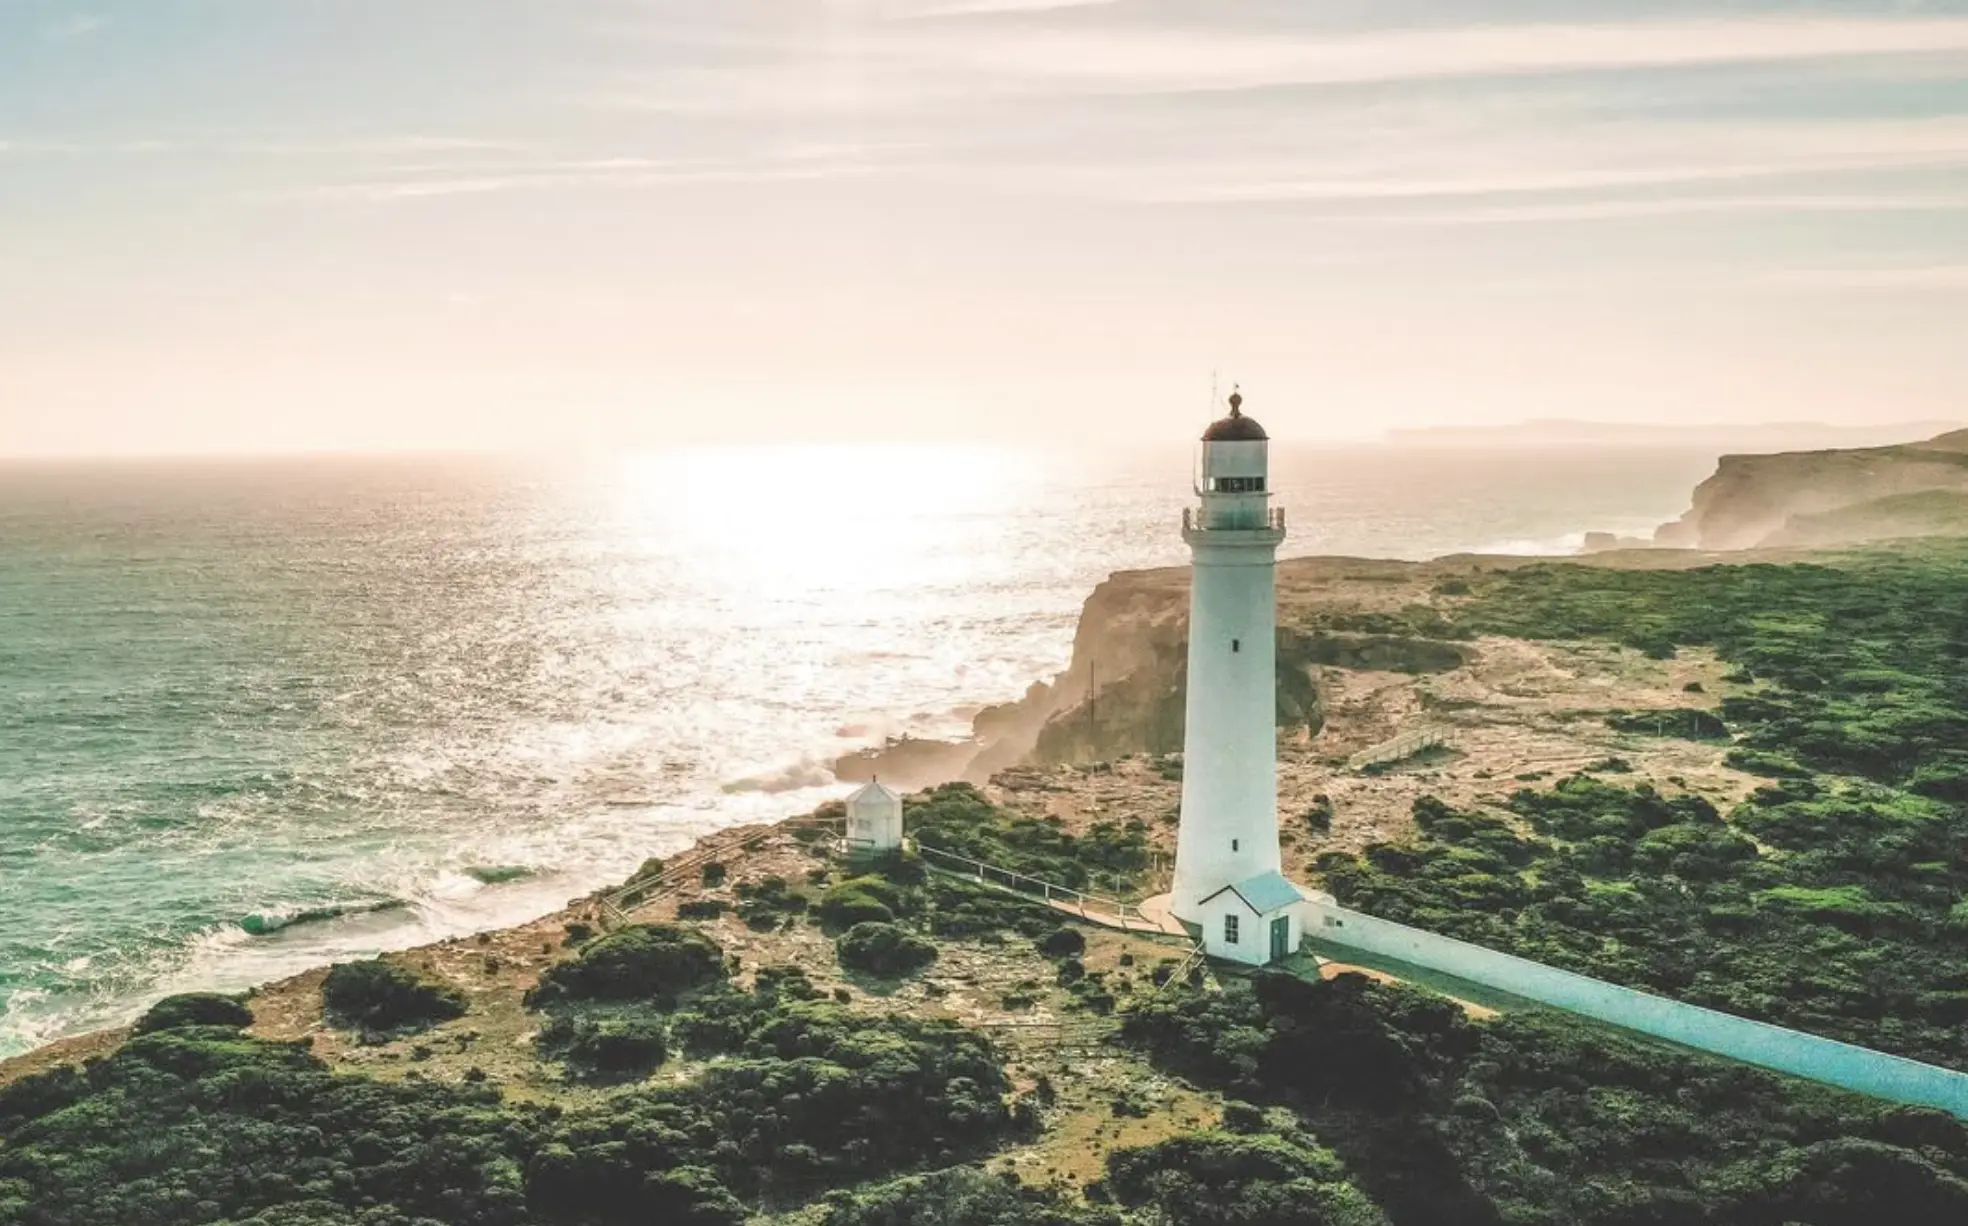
x=842 y=519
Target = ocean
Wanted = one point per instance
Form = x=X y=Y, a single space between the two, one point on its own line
x=257 y=716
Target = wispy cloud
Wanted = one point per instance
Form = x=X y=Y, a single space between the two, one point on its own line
x=1178 y=59
x=789 y=166
x=248 y=146
x=1442 y=157
x=1682 y=206
x=890 y=66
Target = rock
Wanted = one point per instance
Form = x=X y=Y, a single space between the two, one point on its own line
x=908 y=762
x=1754 y=500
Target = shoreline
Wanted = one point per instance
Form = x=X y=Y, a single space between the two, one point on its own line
x=73 y=1048
x=1026 y=716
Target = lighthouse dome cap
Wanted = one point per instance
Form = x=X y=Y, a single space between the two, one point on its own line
x=1235 y=428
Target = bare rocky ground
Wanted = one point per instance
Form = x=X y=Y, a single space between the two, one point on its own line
x=1517 y=714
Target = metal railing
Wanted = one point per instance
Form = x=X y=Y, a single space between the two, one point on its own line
x=614 y=906
x=1272 y=520
x=1181 y=971
x=1407 y=745
x=1126 y=915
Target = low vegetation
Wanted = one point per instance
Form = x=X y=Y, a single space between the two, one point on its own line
x=884 y=950
x=1527 y=1118
x=378 y=998
x=956 y=817
x=1827 y=909
x=637 y=962
x=196 y=1009
x=198 y=1124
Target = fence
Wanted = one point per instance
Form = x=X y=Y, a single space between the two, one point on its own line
x=1405 y=746
x=613 y=907
x=1772 y=1047
x=1126 y=916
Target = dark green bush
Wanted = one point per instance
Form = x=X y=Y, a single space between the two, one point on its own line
x=196 y=1009
x=961 y=1197
x=655 y=962
x=1207 y=1178
x=702 y=908
x=859 y=900
x=764 y=905
x=609 y=1048
x=959 y=818
x=887 y=950
x=1062 y=942
x=378 y=997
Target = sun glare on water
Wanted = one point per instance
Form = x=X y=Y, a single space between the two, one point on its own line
x=796 y=521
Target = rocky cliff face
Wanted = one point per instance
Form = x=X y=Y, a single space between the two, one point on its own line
x=1124 y=691
x=1796 y=497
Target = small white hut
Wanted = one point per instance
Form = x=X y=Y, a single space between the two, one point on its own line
x=1257 y=921
x=874 y=819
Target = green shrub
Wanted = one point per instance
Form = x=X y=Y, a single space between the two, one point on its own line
x=1203 y=1178
x=886 y=950
x=702 y=908
x=196 y=1009
x=610 y=1048
x=38 y=1095
x=1319 y=818
x=858 y=900
x=640 y=962
x=1062 y=942
x=376 y=996
x=764 y=904
x=961 y=1197
x=959 y=908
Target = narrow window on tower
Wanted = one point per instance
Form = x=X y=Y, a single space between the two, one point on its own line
x=1236 y=645
x=1233 y=844
x=1229 y=930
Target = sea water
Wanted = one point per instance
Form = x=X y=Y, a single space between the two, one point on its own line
x=257 y=716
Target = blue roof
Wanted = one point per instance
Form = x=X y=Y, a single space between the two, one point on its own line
x=1266 y=892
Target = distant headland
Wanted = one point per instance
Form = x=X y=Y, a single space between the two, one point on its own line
x=1722 y=437
x=1821 y=499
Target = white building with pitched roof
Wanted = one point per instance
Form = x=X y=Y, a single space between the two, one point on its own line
x=874 y=819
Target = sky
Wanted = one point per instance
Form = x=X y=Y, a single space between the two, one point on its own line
x=277 y=225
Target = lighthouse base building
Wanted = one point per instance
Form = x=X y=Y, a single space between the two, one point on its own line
x=1229 y=888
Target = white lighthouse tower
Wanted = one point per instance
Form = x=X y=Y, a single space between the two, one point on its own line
x=1228 y=882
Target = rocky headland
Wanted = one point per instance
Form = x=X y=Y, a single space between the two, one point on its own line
x=1822 y=499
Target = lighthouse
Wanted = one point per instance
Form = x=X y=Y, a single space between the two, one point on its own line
x=1228 y=883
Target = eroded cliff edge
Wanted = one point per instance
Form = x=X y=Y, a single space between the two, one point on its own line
x=1829 y=498
x=1123 y=691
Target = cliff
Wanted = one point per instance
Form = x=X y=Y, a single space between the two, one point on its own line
x=1803 y=497
x=1123 y=691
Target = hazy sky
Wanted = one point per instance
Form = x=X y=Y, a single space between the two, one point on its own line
x=277 y=224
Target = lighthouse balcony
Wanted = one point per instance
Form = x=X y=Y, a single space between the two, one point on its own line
x=1230 y=526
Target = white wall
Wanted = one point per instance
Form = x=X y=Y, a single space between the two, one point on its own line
x=1253 y=934
x=1229 y=827
x=875 y=823
x=1773 y=1047
x=1253 y=947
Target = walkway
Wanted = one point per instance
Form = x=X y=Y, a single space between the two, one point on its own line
x=1145 y=917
